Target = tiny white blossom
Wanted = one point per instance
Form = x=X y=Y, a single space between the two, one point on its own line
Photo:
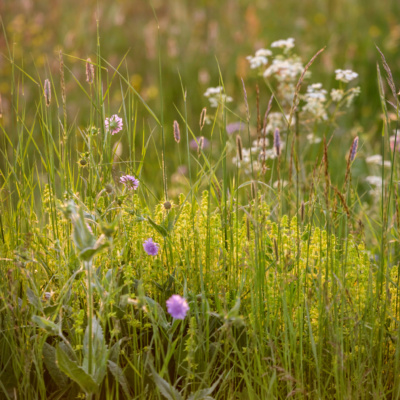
x=377 y=159
x=337 y=95
x=263 y=53
x=374 y=180
x=345 y=75
x=283 y=44
x=256 y=62
x=312 y=139
x=284 y=70
x=216 y=95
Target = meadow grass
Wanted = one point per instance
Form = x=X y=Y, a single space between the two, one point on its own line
x=288 y=263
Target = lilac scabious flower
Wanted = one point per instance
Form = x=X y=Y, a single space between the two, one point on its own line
x=234 y=127
x=201 y=141
x=113 y=124
x=129 y=181
x=150 y=247
x=177 y=306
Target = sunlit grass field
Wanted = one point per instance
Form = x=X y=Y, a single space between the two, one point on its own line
x=209 y=212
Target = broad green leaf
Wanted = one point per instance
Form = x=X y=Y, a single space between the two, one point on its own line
x=119 y=375
x=157 y=312
x=159 y=228
x=49 y=326
x=33 y=299
x=75 y=372
x=100 y=352
x=204 y=394
x=167 y=390
x=49 y=358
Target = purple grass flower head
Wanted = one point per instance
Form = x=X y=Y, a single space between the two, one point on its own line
x=113 y=124
x=202 y=141
x=177 y=306
x=150 y=247
x=129 y=181
x=354 y=149
x=277 y=142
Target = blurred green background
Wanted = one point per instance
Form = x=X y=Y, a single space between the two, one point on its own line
x=195 y=37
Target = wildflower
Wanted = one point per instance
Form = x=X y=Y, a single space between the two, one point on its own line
x=234 y=127
x=259 y=59
x=377 y=159
x=129 y=181
x=315 y=99
x=113 y=124
x=47 y=92
x=283 y=44
x=150 y=247
x=312 y=139
x=282 y=184
x=177 y=132
x=345 y=75
x=203 y=116
x=48 y=295
x=199 y=141
x=216 y=96
x=352 y=93
x=374 y=180
x=337 y=95
x=239 y=147
x=277 y=142
x=395 y=139
x=177 y=306
x=353 y=149
x=284 y=70
x=89 y=71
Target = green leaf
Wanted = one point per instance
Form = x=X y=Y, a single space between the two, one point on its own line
x=75 y=372
x=167 y=390
x=159 y=228
x=90 y=252
x=49 y=358
x=49 y=326
x=33 y=299
x=204 y=394
x=100 y=352
x=116 y=370
x=157 y=312
x=169 y=221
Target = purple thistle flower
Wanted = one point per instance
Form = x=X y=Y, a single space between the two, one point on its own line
x=150 y=247
x=277 y=142
x=129 y=181
x=354 y=149
x=113 y=124
x=177 y=306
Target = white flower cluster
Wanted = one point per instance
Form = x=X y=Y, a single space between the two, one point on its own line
x=284 y=44
x=277 y=121
x=288 y=69
x=312 y=139
x=376 y=183
x=345 y=75
x=377 y=160
x=337 y=95
x=217 y=96
x=315 y=98
x=258 y=149
x=259 y=59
